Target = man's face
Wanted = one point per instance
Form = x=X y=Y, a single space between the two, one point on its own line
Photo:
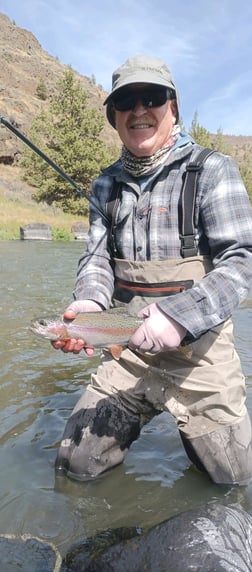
x=144 y=130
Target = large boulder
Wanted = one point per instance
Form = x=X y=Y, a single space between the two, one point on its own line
x=211 y=538
x=36 y=231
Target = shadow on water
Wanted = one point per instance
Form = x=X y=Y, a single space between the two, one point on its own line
x=38 y=390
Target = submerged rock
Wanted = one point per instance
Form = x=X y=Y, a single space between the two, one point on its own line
x=28 y=554
x=84 y=552
x=211 y=538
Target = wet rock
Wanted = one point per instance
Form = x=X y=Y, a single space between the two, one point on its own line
x=211 y=538
x=82 y=553
x=28 y=554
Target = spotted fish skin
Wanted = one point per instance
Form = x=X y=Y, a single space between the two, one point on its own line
x=107 y=329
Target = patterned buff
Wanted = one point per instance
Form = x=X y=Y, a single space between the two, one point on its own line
x=140 y=166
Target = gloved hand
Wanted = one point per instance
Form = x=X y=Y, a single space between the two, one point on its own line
x=157 y=333
x=70 y=313
x=79 y=306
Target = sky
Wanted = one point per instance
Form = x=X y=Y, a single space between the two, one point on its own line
x=206 y=44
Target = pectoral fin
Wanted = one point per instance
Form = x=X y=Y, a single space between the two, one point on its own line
x=115 y=350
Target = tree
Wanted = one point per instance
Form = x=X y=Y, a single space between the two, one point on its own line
x=205 y=138
x=199 y=134
x=219 y=143
x=69 y=133
x=246 y=173
x=41 y=90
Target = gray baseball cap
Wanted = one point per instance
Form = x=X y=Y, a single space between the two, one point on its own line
x=139 y=69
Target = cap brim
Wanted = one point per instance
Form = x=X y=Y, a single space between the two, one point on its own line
x=141 y=78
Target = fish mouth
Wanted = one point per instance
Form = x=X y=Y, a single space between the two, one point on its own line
x=38 y=327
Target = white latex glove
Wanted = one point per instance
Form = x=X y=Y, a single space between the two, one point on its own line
x=79 y=306
x=70 y=313
x=157 y=333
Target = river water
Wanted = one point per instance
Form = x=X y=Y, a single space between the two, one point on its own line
x=39 y=387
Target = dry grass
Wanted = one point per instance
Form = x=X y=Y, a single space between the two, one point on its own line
x=17 y=207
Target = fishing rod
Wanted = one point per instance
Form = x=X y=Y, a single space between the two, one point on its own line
x=56 y=168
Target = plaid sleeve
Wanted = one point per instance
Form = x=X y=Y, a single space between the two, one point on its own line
x=95 y=279
x=226 y=217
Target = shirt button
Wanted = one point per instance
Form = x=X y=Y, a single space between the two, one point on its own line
x=139 y=248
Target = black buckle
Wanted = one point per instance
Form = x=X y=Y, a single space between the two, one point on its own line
x=188 y=247
x=194 y=166
x=187 y=241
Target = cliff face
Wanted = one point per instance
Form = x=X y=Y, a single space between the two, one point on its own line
x=23 y=65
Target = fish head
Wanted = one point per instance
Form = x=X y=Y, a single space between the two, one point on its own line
x=49 y=328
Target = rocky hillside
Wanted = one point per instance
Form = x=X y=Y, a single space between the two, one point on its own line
x=24 y=64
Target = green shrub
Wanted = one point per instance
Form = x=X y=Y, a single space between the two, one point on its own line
x=61 y=234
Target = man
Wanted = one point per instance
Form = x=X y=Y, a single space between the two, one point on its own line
x=182 y=358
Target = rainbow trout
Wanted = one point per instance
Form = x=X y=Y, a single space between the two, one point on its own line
x=110 y=329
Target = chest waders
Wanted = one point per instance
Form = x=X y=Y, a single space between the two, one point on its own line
x=203 y=388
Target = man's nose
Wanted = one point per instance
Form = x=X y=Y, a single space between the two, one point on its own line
x=139 y=107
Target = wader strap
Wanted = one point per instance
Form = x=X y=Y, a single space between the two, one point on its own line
x=112 y=207
x=187 y=203
x=186 y=206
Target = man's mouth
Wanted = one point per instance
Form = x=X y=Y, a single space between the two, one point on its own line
x=141 y=126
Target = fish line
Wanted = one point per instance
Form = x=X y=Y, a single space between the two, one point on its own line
x=54 y=165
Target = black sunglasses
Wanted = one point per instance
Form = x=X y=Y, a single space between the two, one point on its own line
x=127 y=100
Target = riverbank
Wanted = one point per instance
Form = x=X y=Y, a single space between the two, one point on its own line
x=17 y=208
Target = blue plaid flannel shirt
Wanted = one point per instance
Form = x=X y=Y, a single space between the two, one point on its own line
x=147 y=228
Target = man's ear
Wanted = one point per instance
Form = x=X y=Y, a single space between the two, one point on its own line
x=174 y=109
x=111 y=114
